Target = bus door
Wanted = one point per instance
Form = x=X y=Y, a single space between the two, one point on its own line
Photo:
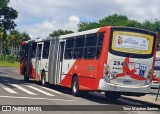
x=60 y=54
x=38 y=59
x=55 y=61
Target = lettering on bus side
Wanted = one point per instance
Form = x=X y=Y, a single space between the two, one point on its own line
x=91 y=68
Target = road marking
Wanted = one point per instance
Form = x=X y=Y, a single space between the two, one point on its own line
x=39 y=90
x=23 y=89
x=14 y=97
x=52 y=90
x=8 y=89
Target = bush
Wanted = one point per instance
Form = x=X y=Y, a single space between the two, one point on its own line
x=8 y=58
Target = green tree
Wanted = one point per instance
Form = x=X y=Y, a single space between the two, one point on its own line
x=3 y=3
x=14 y=40
x=7 y=17
x=114 y=20
x=59 y=32
x=82 y=26
x=1 y=37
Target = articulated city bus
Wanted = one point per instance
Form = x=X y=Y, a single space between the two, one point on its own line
x=114 y=60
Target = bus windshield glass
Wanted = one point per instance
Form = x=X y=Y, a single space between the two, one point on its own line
x=132 y=42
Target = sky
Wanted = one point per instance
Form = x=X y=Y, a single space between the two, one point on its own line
x=39 y=18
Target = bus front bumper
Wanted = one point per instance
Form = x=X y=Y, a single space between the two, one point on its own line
x=104 y=86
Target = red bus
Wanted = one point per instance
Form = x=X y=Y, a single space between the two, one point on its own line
x=114 y=60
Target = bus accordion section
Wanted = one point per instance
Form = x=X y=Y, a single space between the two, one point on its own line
x=114 y=60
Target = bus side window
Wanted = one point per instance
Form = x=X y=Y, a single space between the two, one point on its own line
x=99 y=45
x=79 y=47
x=46 y=49
x=33 y=53
x=78 y=53
x=89 y=52
x=26 y=50
x=68 y=54
x=90 y=46
x=69 y=48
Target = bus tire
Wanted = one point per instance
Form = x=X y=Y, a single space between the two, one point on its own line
x=75 y=86
x=43 y=79
x=111 y=95
x=26 y=78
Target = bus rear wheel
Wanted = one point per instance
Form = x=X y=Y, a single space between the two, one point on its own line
x=111 y=95
x=26 y=78
x=75 y=87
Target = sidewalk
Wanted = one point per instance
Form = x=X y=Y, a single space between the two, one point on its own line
x=149 y=98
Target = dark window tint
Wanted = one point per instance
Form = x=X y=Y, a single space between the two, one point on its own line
x=68 y=54
x=33 y=53
x=100 y=39
x=91 y=40
x=46 y=49
x=98 y=52
x=39 y=50
x=70 y=43
x=26 y=50
x=80 y=41
x=89 y=52
x=78 y=53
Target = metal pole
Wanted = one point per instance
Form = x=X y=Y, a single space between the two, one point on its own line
x=157 y=93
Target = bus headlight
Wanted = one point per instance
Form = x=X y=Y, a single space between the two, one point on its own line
x=106 y=73
x=149 y=76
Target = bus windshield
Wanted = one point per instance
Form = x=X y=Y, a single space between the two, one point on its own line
x=132 y=43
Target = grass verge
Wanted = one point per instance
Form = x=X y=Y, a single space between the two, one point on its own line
x=9 y=64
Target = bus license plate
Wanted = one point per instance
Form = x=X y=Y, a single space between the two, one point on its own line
x=127 y=82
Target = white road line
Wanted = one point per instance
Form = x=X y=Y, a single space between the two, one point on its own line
x=39 y=90
x=23 y=89
x=8 y=89
x=14 y=97
x=52 y=90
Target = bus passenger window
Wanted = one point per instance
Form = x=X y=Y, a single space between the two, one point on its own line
x=78 y=53
x=100 y=39
x=98 y=52
x=68 y=54
x=46 y=49
x=70 y=43
x=80 y=41
x=91 y=40
x=33 y=53
x=89 y=53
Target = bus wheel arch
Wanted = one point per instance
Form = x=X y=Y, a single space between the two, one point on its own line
x=43 y=78
x=75 y=85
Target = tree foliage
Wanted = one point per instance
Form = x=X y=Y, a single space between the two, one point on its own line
x=3 y=3
x=59 y=32
x=7 y=17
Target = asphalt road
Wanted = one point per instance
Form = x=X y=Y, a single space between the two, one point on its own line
x=16 y=94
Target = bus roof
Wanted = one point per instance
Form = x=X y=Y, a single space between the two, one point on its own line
x=79 y=33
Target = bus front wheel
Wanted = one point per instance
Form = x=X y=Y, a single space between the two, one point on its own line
x=75 y=87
